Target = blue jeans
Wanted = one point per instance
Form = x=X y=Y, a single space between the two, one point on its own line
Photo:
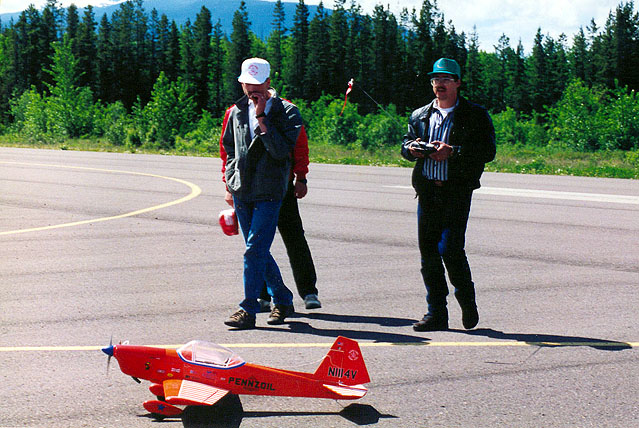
x=258 y=221
x=442 y=218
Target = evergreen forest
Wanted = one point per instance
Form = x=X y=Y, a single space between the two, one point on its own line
x=137 y=79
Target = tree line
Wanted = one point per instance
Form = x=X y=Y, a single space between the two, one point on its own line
x=141 y=77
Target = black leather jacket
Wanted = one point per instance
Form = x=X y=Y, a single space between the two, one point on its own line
x=472 y=131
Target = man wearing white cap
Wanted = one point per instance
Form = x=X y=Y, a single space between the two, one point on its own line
x=258 y=139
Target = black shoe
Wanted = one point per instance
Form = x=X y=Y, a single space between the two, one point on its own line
x=279 y=313
x=431 y=323
x=312 y=302
x=470 y=316
x=241 y=320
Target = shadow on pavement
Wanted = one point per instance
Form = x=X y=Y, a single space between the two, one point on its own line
x=360 y=319
x=228 y=413
x=550 y=340
x=375 y=336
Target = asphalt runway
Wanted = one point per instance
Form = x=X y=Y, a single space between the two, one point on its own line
x=97 y=245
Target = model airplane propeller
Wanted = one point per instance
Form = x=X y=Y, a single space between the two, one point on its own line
x=201 y=373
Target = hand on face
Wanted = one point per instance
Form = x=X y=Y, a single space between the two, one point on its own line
x=258 y=93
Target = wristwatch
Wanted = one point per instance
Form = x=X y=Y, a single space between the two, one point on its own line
x=261 y=115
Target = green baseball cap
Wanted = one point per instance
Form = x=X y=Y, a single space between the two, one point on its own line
x=447 y=66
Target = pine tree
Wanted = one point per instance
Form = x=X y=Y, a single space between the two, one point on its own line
x=202 y=57
x=87 y=51
x=337 y=67
x=295 y=62
x=72 y=28
x=579 y=58
x=49 y=27
x=517 y=93
x=172 y=53
x=105 y=71
x=499 y=78
x=155 y=50
x=7 y=72
x=240 y=48
x=318 y=74
x=385 y=51
x=187 y=57
x=626 y=45
x=218 y=59
x=425 y=25
x=474 y=88
x=275 y=42
x=537 y=74
x=558 y=72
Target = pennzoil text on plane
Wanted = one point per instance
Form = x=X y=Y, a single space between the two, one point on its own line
x=201 y=373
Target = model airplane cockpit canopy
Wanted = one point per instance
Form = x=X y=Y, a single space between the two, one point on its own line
x=209 y=354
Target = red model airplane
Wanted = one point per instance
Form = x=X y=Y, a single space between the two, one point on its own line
x=201 y=373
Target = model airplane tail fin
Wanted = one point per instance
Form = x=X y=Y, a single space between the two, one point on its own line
x=344 y=363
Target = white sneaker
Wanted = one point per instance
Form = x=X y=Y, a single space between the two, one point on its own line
x=265 y=305
x=312 y=302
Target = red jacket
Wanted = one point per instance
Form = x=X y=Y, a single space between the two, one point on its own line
x=300 y=152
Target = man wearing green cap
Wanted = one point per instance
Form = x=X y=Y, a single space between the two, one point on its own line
x=450 y=140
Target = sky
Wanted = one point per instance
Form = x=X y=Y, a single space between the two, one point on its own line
x=517 y=19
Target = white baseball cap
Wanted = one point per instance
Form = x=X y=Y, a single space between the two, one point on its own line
x=255 y=71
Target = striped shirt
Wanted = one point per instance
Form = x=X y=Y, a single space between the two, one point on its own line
x=440 y=124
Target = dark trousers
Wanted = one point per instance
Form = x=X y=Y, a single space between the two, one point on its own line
x=290 y=226
x=442 y=218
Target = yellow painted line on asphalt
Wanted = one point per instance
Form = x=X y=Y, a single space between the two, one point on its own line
x=505 y=344
x=195 y=192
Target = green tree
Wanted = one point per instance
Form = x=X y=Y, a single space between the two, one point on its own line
x=240 y=48
x=425 y=25
x=106 y=82
x=171 y=112
x=626 y=45
x=72 y=28
x=218 y=59
x=50 y=23
x=538 y=73
x=70 y=108
x=274 y=51
x=187 y=56
x=172 y=53
x=87 y=45
x=318 y=61
x=558 y=68
x=296 y=58
x=338 y=34
x=579 y=57
x=474 y=84
x=202 y=57
x=385 y=54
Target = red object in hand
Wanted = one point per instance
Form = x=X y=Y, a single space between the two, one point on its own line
x=228 y=222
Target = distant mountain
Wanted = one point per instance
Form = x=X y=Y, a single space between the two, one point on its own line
x=260 y=12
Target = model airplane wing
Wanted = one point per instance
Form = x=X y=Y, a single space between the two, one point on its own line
x=188 y=393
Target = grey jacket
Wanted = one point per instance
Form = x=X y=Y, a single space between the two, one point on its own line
x=258 y=169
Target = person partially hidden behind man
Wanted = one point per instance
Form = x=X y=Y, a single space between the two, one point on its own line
x=258 y=139
x=450 y=140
